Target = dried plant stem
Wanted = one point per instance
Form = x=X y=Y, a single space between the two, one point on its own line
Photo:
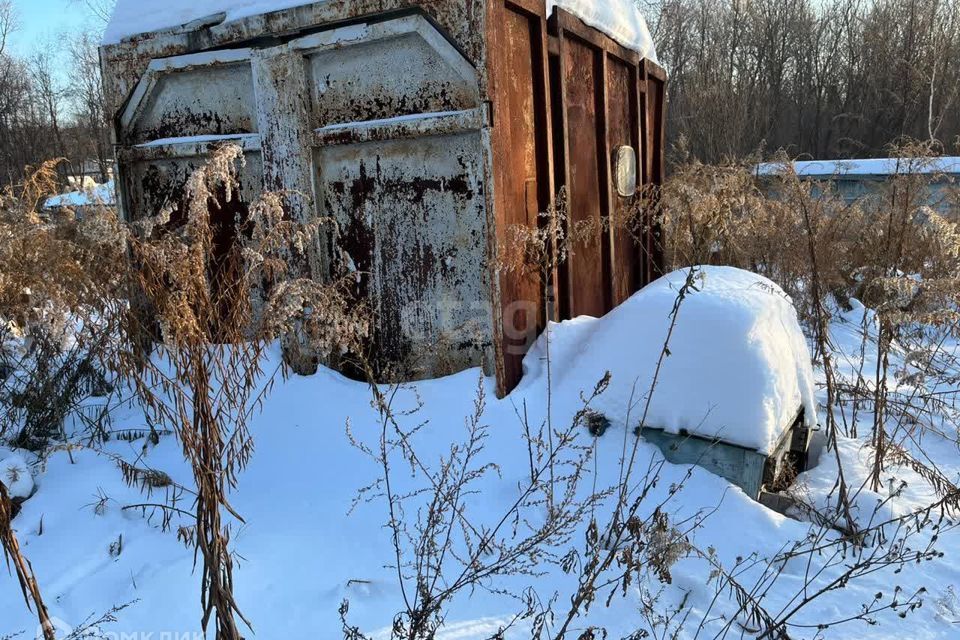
x=880 y=402
x=217 y=305
x=12 y=553
x=621 y=523
x=822 y=336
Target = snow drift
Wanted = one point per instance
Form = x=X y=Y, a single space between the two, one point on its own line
x=306 y=546
x=738 y=367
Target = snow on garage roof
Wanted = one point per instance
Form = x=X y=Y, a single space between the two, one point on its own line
x=739 y=368
x=619 y=19
x=133 y=17
x=102 y=194
x=622 y=20
x=879 y=167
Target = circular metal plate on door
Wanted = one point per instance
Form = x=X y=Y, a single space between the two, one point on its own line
x=625 y=171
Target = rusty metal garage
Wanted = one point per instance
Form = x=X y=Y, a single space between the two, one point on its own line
x=426 y=129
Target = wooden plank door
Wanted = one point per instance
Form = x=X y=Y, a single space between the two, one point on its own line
x=655 y=131
x=623 y=130
x=599 y=98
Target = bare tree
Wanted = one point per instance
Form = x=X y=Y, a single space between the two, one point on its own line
x=100 y=10
x=8 y=24
x=827 y=79
x=49 y=93
x=86 y=87
x=51 y=102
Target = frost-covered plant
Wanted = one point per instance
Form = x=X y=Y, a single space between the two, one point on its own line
x=163 y=306
x=720 y=214
x=899 y=256
x=441 y=550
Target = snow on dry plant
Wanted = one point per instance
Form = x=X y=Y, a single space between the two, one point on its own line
x=898 y=256
x=218 y=309
x=57 y=302
x=443 y=552
x=893 y=252
x=185 y=319
x=59 y=313
x=889 y=250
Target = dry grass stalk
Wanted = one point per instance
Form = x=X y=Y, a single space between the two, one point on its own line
x=211 y=284
x=12 y=553
x=218 y=306
x=60 y=303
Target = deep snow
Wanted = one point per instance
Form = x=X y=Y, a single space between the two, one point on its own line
x=300 y=553
x=739 y=368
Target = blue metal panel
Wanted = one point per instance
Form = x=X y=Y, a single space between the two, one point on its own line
x=742 y=467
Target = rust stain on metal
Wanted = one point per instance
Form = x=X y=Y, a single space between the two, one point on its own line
x=426 y=129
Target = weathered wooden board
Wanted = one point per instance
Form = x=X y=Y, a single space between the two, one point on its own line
x=622 y=131
x=522 y=173
x=655 y=130
x=587 y=268
x=603 y=96
x=591 y=99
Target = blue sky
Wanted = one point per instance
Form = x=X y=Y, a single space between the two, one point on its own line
x=42 y=21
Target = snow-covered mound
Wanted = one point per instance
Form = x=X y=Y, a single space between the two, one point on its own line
x=15 y=475
x=620 y=19
x=738 y=367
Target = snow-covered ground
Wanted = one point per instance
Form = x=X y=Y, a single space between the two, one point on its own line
x=307 y=545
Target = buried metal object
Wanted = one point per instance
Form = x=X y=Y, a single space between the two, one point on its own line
x=755 y=472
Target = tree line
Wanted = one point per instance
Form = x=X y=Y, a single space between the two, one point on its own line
x=818 y=78
x=51 y=104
